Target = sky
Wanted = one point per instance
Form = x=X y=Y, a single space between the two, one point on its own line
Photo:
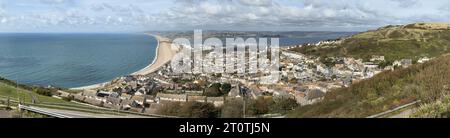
x=245 y=15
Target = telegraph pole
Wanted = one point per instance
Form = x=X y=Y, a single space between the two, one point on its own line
x=7 y=103
x=18 y=98
x=243 y=98
x=17 y=91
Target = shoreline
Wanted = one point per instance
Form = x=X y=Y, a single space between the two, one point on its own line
x=164 y=53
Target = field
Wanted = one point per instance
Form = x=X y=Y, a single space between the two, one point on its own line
x=393 y=42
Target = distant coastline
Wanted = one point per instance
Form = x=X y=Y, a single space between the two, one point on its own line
x=164 y=53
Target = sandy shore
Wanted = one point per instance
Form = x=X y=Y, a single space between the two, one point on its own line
x=164 y=54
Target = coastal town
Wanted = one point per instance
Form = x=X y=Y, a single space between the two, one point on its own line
x=303 y=79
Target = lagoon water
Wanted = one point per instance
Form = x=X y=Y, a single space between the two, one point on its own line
x=73 y=60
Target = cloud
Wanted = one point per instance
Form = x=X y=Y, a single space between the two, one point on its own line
x=257 y=2
x=140 y=15
x=56 y=1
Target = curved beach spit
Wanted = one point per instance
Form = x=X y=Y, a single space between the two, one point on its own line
x=164 y=54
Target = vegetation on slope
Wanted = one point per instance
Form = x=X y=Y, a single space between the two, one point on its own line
x=438 y=109
x=25 y=95
x=427 y=82
x=394 y=42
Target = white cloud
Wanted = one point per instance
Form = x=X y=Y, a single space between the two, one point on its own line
x=257 y=2
x=139 y=15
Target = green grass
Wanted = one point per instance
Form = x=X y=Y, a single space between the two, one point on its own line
x=13 y=93
x=426 y=82
x=437 y=109
x=394 y=42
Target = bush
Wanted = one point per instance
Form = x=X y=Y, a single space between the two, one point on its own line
x=70 y=98
x=232 y=108
x=217 y=89
x=199 y=110
x=387 y=90
x=189 y=109
x=42 y=91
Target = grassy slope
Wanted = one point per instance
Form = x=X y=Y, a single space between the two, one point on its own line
x=427 y=82
x=51 y=102
x=13 y=93
x=394 y=42
x=10 y=91
x=437 y=109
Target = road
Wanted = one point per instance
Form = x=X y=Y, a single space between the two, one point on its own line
x=77 y=114
x=393 y=110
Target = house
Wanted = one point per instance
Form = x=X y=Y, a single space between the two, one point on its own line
x=423 y=60
x=339 y=64
x=127 y=104
x=103 y=94
x=93 y=95
x=171 y=97
x=370 y=65
x=377 y=58
x=311 y=96
x=235 y=92
x=314 y=94
x=89 y=93
x=139 y=99
x=391 y=68
x=196 y=98
x=125 y=96
x=149 y=98
x=113 y=100
x=63 y=94
x=93 y=101
x=217 y=101
x=406 y=62
x=79 y=97
x=128 y=79
x=403 y=63
x=139 y=92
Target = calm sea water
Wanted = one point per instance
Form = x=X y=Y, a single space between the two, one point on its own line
x=73 y=60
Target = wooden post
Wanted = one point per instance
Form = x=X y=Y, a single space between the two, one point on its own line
x=7 y=103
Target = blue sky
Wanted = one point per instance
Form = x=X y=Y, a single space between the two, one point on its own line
x=272 y=15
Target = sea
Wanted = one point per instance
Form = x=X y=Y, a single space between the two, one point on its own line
x=75 y=60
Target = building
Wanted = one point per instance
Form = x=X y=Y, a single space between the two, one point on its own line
x=217 y=101
x=171 y=97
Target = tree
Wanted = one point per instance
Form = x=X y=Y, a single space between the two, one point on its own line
x=42 y=91
x=232 y=108
x=213 y=90
x=225 y=88
x=199 y=110
x=189 y=109
x=283 y=104
x=170 y=108
x=262 y=105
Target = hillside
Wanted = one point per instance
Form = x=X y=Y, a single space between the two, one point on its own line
x=427 y=82
x=394 y=42
x=27 y=93
x=13 y=93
